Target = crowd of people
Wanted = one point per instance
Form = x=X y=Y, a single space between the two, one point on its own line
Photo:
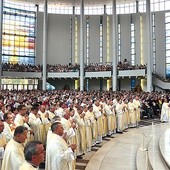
x=167 y=79
x=92 y=67
x=67 y=123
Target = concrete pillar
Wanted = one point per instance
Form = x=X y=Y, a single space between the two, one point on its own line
x=44 y=77
x=114 y=40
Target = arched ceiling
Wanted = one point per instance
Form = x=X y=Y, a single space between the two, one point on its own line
x=73 y=2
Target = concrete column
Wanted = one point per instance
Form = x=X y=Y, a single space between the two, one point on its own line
x=114 y=40
x=149 y=46
x=1 y=24
x=82 y=45
x=137 y=6
x=44 y=77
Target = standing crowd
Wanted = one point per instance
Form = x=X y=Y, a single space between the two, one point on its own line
x=57 y=127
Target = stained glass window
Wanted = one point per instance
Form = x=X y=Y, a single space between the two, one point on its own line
x=18 y=39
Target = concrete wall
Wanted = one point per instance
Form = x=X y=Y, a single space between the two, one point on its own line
x=160 y=43
x=59 y=40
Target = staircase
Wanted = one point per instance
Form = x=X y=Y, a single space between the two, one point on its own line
x=143 y=148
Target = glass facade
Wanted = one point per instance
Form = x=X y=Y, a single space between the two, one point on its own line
x=119 y=43
x=167 y=43
x=154 y=43
x=87 y=40
x=101 y=39
x=133 y=44
x=18 y=39
x=108 y=39
x=19 y=84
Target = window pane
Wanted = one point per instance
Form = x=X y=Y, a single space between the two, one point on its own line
x=18 y=33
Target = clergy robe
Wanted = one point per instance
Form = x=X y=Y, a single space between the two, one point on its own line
x=68 y=129
x=165 y=110
x=37 y=127
x=98 y=116
x=27 y=166
x=58 y=155
x=51 y=114
x=13 y=156
x=110 y=119
x=132 y=115
x=83 y=140
x=46 y=124
x=126 y=116
x=88 y=126
x=119 y=115
x=105 y=122
x=19 y=120
x=2 y=144
x=30 y=137
x=79 y=124
x=93 y=127
x=8 y=132
x=137 y=107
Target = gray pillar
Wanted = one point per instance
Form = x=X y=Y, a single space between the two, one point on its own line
x=82 y=46
x=149 y=46
x=1 y=23
x=45 y=47
x=104 y=9
x=137 y=6
x=114 y=40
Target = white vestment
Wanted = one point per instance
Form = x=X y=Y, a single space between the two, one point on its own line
x=58 y=155
x=59 y=112
x=36 y=126
x=13 y=156
x=137 y=107
x=19 y=120
x=2 y=144
x=98 y=115
x=67 y=128
x=27 y=166
x=119 y=115
x=8 y=132
x=165 y=110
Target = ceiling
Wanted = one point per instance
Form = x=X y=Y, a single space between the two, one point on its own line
x=73 y=2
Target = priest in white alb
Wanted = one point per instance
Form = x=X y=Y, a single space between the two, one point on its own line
x=14 y=151
x=59 y=155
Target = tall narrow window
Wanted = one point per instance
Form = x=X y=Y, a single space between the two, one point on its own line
x=167 y=30
x=141 y=49
x=141 y=40
x=87 y=40
x=142 y=6
x=126 y=8
x=108 y=39
x=101 y=39
x=71 y=32
x=76 y=40
x=18 y=38
x=153 y=42
x=133 y=44
x=119 y=43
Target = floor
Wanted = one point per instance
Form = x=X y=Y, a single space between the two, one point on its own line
x=125 y=151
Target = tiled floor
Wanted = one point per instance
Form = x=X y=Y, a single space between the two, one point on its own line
x=121 y=152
